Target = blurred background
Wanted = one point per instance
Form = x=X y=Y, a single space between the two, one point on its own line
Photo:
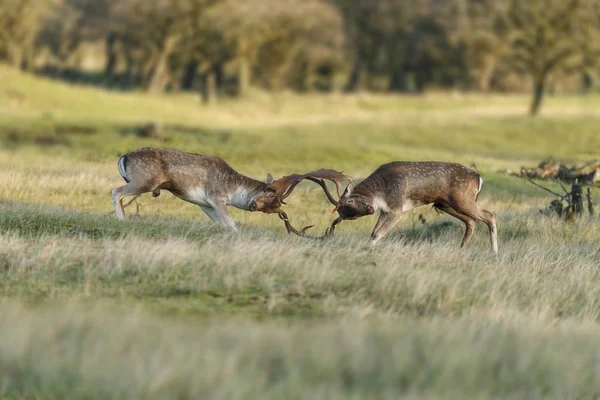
x=285 y=86
x=167 y=305
x=227 y=48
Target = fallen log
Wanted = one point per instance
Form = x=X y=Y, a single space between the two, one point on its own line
x=586 y=174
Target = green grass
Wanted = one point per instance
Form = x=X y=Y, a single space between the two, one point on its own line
x=167 y=305
x=354 y=358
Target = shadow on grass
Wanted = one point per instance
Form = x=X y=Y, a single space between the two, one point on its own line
x=428 y=232
x=33 y=221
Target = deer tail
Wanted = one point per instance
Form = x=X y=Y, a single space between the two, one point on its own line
x=480 y=186
x=123 y=168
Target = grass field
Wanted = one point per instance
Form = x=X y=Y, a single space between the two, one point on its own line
x=167 y=305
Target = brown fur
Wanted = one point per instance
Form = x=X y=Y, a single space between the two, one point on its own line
x=399 y=186
x=207 y=181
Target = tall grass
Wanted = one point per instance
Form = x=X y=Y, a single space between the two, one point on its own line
x=168 y=305
x=78 y=354
x=544 y=266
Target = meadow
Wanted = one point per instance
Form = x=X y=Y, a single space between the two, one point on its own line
x=167 y=305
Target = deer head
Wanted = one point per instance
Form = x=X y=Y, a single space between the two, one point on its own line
x=276 y=191
x=266 y=200
x=352 y=205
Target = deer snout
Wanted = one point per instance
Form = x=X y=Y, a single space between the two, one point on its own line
x=347 y=212
x=252 y=206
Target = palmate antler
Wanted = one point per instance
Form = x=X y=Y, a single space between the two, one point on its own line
x=302 y=233
x=283 y=188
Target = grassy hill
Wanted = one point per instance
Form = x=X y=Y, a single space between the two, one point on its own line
x=167 y=305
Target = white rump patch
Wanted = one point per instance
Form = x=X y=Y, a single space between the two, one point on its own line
x=122 y=170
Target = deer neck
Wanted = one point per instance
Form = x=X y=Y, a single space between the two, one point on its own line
x=372 y=193
x=242 y=192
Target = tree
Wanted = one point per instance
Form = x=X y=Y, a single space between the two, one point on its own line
x=72 y=22
x=151 y=32
x=202 y=52
x=547 y=36
x=476 y=25
x=20 y=22
x=401 y=45
x=276 y=34
x=363 y=34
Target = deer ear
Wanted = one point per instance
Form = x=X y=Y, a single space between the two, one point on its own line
x=270 y=179
x=348 y=190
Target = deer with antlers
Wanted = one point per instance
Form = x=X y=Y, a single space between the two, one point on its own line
x=398 y=187
x=210 y=183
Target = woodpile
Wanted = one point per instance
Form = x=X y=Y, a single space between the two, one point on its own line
x=585 y=174
x=569 y=204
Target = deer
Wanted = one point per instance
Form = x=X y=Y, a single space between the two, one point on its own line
x=210 y=183
x=397 y=187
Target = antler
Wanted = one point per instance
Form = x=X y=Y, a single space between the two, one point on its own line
x=283 y=187
x=322 y=183
x=302 y=233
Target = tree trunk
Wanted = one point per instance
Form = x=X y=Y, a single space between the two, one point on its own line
x=160 y=74
x=586 y=83
x=243 y=69
x=484 y=80
x=15 y=55
x=244 y=77
x=187 y=83
x=209 y=87
x=111 y=55
x=538 y=94
x=219 y=76
x=398 y=80
x=354 y=81
x=28 y=59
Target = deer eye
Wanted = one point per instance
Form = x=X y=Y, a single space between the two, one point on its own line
x=350 y=201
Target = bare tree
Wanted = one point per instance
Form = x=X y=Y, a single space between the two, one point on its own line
x=546 y=36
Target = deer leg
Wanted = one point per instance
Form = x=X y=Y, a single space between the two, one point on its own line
x=131 y=189
x=468 y=221
x=384 y=224
x=382 y=217
x=489 y=218
x=219 y=215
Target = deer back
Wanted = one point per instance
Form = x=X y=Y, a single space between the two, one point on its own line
x=181 y=172
x=419 y=183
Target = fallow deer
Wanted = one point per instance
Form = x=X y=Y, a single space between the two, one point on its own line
x=210 y=183
x=398 y=187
